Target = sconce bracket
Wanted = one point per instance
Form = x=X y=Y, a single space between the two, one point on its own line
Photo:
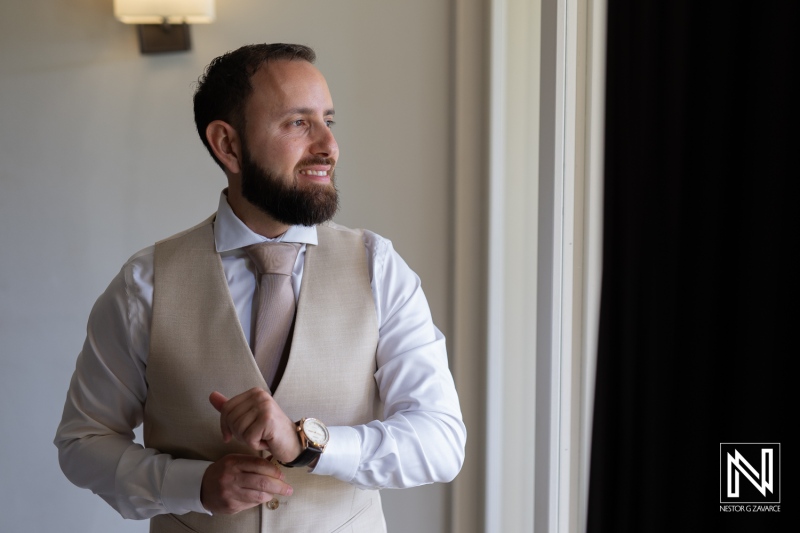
x=160 y=38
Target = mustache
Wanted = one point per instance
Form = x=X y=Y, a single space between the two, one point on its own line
x=317 y=161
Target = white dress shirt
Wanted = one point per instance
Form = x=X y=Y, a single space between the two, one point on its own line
x=420 y=440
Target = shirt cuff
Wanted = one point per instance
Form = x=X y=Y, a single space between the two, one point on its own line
x=180 y=492
x=342 y=454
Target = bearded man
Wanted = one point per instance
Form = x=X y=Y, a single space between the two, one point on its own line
x=271 y=401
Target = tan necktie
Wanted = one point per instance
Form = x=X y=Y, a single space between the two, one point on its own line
x=274 y=262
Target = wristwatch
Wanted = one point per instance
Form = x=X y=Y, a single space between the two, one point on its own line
x=313 y=439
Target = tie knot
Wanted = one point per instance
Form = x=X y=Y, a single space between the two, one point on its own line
x=273 y=257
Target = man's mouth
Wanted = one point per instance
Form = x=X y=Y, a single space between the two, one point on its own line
x=320 y=173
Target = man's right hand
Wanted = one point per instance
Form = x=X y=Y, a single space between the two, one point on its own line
x=238 y=482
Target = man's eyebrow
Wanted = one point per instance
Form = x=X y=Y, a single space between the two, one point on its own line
x=308 y=111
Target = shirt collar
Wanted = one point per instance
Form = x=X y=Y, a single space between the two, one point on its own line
x=230 y=233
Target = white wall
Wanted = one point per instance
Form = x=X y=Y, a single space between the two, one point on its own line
x=99 y=158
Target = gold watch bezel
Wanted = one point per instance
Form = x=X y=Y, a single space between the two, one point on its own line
x=305 y=440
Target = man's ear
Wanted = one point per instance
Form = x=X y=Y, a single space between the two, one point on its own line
x=226 y=144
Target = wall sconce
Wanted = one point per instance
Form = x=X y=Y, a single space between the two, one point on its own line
x=164 y=24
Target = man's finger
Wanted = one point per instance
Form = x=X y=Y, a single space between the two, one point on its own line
x=238 y=482
x=254 y=464
x=246 y=417
x=217 y=400
x=248 y=426
x=264 y=484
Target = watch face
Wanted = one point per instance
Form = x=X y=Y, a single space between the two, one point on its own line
x=315 y=431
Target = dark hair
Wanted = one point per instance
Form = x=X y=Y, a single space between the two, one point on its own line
x=224 y=87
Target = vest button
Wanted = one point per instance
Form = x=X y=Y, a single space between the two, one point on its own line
x=273 y=504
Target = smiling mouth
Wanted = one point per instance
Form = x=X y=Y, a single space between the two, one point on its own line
x=319 y=173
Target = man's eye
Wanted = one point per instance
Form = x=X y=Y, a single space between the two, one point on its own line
x=330 y=123
x=298 y=122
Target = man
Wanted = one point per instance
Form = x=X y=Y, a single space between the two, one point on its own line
x=357 y=395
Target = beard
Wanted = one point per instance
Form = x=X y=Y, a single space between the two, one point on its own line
x=286 y=200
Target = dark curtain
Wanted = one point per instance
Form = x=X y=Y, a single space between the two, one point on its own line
x=698 y=334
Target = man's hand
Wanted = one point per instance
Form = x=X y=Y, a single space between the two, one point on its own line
x=239 y=482
x=255 y=418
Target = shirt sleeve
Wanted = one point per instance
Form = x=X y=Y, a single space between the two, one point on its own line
x=421 y=438
x=105 y=402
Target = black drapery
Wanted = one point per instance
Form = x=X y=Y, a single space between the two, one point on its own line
x=698 y=322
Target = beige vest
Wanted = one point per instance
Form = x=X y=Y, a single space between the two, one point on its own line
x=197 y=346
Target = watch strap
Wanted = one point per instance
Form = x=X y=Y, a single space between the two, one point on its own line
x=309 y=453
x=305 y=458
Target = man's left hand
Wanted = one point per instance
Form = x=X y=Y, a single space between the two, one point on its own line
x=255 y=418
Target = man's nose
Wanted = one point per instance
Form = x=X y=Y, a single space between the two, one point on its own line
x=325 y=143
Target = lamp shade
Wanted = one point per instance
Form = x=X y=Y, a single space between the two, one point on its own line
x=157 y=11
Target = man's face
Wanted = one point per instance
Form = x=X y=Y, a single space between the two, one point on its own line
x=289 y=152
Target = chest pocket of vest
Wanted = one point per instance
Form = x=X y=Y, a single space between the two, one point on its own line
x=349 y=525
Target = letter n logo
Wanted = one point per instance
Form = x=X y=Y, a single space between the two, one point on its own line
x=750 y=473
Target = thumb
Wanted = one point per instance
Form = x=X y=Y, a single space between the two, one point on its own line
x=217 y=400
